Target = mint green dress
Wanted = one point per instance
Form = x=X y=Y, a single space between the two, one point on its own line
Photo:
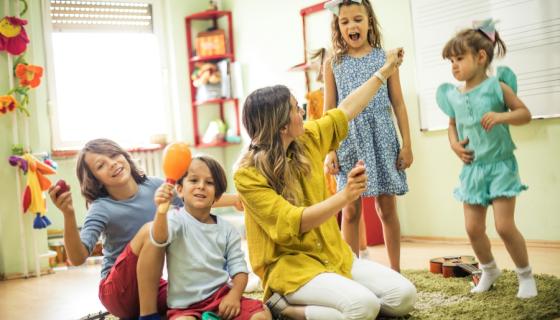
x=493 y=173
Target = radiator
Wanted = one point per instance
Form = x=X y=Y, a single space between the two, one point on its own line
x=148 y=160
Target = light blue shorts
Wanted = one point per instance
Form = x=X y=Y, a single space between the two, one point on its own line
x=481 y=183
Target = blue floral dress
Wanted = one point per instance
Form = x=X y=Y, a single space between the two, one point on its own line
x=493 y=173
x=372 y=136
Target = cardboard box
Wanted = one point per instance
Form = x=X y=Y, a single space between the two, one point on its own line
x=211 y=43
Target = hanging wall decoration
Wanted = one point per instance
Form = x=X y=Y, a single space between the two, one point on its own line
x=13 y=37
x=33 y=197
x=7 y=103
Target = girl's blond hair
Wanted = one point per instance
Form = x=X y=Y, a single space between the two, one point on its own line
x=339 y=46
x=266 y=111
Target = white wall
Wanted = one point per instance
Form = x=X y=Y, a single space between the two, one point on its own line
x=269 y=40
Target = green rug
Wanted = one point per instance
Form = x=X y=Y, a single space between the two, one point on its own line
x=450 y=298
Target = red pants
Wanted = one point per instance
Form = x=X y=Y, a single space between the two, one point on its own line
x=248 y=306
x=118 y=292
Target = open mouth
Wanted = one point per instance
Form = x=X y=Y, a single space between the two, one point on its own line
x=200 y=196
x=354 y=36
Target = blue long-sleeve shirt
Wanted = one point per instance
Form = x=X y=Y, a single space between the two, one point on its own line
x=119 y=221
x=201 y=257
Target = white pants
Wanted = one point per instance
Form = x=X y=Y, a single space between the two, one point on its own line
x=374 y=288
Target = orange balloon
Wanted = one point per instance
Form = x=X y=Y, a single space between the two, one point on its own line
x=176 y=161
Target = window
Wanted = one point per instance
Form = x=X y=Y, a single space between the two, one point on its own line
x=107 y=78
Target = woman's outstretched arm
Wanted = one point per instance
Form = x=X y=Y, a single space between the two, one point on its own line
x=356 y=101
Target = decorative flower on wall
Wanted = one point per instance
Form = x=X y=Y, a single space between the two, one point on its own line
x=13 y=37
x=7 y=103
x=29 y=75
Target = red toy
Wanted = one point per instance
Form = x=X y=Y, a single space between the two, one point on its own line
x=63 y=187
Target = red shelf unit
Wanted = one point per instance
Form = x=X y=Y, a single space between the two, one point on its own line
x=305 y=66
x=211 y=16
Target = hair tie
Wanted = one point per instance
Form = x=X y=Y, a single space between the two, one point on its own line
x=333 y=5
x=487 y=27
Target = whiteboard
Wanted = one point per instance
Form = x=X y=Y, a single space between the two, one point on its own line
x=530 y=30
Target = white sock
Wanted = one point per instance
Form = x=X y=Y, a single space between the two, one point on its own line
x=490 y=273
x=527 y=285
x=364 y=254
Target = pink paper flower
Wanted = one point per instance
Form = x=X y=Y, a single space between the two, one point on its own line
x=13 y=37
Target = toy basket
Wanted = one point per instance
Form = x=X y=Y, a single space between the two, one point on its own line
x=211 y=43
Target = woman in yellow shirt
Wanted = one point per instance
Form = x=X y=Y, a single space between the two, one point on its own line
x=295 y=246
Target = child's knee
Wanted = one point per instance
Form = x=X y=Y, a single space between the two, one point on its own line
x=263 y=315
x=506 y=230
x=475 y=230
x=351 y=214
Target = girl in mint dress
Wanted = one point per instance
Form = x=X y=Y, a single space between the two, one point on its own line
x=480 y=112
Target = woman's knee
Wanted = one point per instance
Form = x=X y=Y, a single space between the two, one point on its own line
x=364 y=307
x=403 y=302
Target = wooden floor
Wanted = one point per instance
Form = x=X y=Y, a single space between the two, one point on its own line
x=71 y=294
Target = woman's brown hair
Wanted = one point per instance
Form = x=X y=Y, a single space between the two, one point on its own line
x=339 y=46
x=265 y=112
x=92 y=188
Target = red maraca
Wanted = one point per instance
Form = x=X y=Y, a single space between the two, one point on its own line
x=176 y=161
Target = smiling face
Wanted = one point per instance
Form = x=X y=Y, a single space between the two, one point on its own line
x=353 y=22
x=198 y=189
x=110 y=170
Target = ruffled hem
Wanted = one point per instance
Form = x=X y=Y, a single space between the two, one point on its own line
x=511 y=193
x=391 y=193
x=474 y=200
x=485 y=201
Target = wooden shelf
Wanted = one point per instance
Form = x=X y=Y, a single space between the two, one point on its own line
x=304 y=66
x=208 y=14
x=211 y=58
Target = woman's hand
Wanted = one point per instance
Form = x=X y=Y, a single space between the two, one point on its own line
x=394 y=59
x=357 y=181
x=404 y=159
x=229 y=307
x=467 y=156
x=164 y=194
x=331 y=163
x=63 y=201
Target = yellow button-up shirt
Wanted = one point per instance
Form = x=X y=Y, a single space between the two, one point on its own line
x=283 y=258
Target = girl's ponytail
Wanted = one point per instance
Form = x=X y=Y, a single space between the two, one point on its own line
x=499 y=46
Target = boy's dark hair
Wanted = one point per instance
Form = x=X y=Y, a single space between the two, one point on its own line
x=217 y=172
x=90 y=187
x=472 y=41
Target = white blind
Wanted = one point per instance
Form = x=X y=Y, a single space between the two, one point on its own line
x=111 y=16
